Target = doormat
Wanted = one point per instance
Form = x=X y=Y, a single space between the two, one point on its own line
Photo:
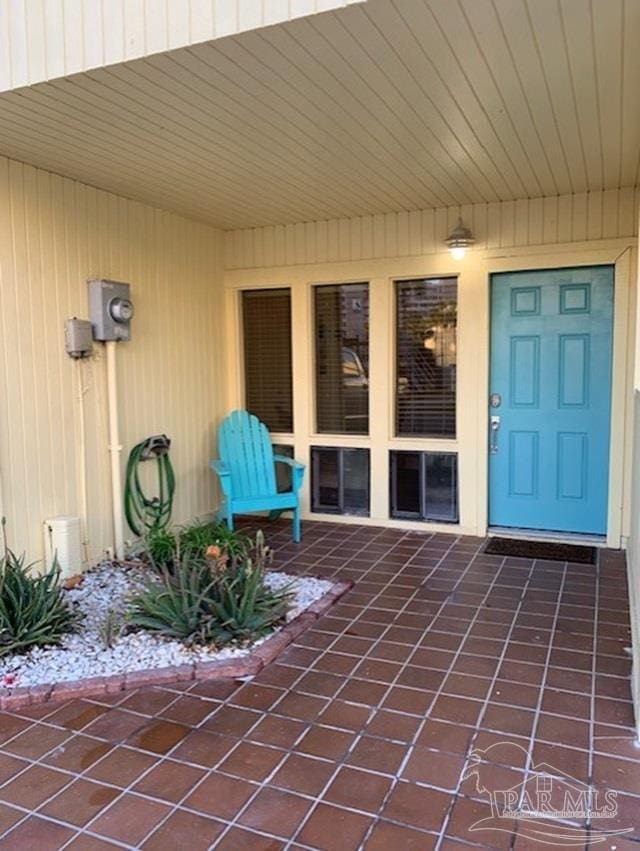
x=540 y=550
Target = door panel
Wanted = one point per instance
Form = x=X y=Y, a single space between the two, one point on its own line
x=551 y=351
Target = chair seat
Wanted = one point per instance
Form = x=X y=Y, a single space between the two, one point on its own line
x=266 y=501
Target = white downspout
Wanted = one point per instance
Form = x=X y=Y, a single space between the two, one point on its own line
x=115 y=448
x=82 y=466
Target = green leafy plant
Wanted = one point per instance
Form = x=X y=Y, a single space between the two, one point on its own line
x=198 y=537
x=212 y=601
x=160 y=546
x=111 y=628
x=163 y=546
x=33 y=610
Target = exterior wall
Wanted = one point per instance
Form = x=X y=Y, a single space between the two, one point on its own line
x=54 y=235
x=41 y=41
x=524 y=235
x=507 y=224
x=633 y=551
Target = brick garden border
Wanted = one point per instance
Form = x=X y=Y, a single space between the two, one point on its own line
x=249 y=665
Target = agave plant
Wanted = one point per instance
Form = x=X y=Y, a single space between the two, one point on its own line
x=33 y=610
x=212 y=601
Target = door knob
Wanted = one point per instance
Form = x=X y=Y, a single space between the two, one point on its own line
x=494 y=428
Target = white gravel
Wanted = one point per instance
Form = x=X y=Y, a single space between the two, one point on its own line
x=83 y=654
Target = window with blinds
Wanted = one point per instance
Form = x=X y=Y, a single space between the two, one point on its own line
x=426 y=317
x=266 y=321
x=342 y=358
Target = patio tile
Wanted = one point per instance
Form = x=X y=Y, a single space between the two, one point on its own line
x=157 y=736
x=76 y=715
x=276 y=812
x=386 y=836
x=80 y=802
x=203 y=747
x=34 y=786
x=221 y=796
x=358 y=790
x=36 y=833
x=195 y=832
x=77 y=753
x=434 y=768
x=417 y=806
x=9 y=816
x=240 y=839
x=332 y=828
x=121 y=766
x=36 y=741
x=303 y=774
x=325 y=742
x=129 y=819
x=169 y=781
x=377 y=755
x=274 y=730
x=252 y=762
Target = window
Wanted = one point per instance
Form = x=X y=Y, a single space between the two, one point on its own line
x=342 y=358
x=424 y=486
x=266 y=320
x=340 y=480
x=426 y=312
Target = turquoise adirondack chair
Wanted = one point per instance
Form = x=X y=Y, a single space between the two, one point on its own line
x=247 y=471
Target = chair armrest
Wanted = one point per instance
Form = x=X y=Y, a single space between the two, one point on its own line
x=284 y=459
x=297 y=468
x=223 y=471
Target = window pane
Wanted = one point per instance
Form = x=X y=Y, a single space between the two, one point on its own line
x=405 y=473
x=441 y=491
x=426 y=357
x=284 y=478
x=340 y=480
x=424 y=485
x=342 y=358
x=355 y=498
x=326 y=480
x=266 y=316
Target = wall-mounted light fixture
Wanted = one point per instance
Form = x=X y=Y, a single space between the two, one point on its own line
x=459 y=240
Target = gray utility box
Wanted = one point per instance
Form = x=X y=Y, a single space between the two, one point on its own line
x=110 y=310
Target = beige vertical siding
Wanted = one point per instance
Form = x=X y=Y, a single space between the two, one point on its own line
x=55 y=234
x=44 y=40
x=505 y=224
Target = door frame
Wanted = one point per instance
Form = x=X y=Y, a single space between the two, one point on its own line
x=618 y=256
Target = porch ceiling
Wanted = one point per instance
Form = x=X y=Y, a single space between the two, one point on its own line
x=387 y=105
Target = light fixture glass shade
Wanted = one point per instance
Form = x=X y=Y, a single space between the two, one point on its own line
x=459 y=240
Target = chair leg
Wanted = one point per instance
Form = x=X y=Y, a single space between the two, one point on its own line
x=229 y=519
x=296 y=525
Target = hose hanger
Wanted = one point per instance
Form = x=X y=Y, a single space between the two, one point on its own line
x=146 y=514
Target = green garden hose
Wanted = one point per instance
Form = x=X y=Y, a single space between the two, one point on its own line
x=146 y=514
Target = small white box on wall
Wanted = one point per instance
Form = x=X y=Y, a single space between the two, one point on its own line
x=62 y=538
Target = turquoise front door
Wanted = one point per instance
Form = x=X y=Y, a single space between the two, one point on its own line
x=550 y=399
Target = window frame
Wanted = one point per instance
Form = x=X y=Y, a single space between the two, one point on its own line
x=317 y=507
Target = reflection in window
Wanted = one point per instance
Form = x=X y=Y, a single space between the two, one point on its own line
x=426 y=317
x=340 y=480
x=342 y=358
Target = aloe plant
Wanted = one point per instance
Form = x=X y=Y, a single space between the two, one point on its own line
x=33 y=610
x=212 y=602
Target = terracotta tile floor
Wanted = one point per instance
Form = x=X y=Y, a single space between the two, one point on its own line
x=359 y=735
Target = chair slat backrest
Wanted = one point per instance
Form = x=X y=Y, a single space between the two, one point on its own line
x=245 y=447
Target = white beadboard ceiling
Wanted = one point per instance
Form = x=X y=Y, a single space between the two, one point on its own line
x=386 y=105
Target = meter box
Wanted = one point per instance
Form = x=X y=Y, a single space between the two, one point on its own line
x=110 y=310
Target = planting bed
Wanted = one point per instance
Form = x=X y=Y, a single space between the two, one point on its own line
x=82 y=665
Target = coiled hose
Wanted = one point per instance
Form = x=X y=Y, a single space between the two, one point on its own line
x=145 y=514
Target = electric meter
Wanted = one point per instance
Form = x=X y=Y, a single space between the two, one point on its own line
x=110 y=310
